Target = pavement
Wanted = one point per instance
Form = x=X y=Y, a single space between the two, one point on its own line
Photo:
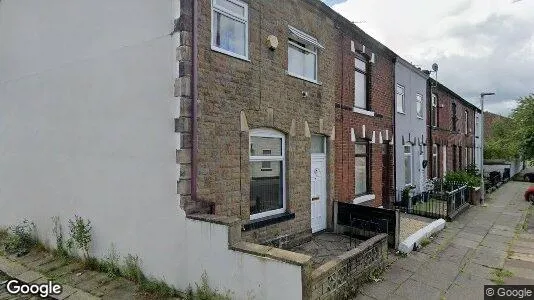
x=466 y=255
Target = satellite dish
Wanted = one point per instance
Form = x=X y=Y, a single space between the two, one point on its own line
x=435 y=67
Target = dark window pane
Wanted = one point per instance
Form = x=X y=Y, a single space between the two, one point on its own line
x=265 y=187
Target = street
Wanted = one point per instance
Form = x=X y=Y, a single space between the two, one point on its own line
x=483 y=244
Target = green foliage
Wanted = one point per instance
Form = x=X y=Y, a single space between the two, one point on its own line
x=205 y=292
x=513 y=137
x=58 y=232
x=499 y=275
x=80 y=235
x=463 y=177
x=20 y=238
x=132 y=269
x=111 y=263
x=425 y=242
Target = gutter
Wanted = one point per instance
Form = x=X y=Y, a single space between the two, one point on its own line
x=194 y=103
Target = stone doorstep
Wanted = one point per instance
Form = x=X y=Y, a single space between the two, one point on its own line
x=18 y=271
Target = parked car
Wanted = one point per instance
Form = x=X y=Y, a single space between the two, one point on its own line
x=529 y=177
x=529 y=194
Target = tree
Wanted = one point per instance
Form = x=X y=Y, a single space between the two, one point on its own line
x=514 y=137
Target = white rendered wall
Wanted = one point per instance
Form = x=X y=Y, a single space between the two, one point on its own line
x=87 y=127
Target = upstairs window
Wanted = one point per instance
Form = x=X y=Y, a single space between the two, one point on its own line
x=229 y=27
x=302 y=55
x=466 y=122
x=361 y=167
x=434 y=112
x=477 y=126
x=419 y=105
x=454 y=118
x=267 y=173
x=399 y=99
x=360 y=83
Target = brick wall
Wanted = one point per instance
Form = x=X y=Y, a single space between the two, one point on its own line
x=258 y=93
x=489 y=120
x=381 y=98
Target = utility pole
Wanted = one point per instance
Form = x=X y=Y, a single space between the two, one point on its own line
x=482 y=187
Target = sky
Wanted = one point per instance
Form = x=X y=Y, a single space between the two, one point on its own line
x=479 y=45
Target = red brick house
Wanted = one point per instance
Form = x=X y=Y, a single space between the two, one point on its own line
x=364 y=121
x=451 y=126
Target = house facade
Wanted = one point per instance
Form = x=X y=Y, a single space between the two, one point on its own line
x=410 y=127
x=364 y=121
x=451 y=130
x=265 y=118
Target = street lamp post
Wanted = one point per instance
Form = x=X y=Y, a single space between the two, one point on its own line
x=482 y=187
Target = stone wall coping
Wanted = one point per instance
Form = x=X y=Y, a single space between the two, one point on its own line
x=273 y=253
x=222 y=220
x=340 y=259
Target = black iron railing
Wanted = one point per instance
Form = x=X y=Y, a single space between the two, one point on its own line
x=440 y=199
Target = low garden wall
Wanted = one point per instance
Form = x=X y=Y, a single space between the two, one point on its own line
x=340 y=278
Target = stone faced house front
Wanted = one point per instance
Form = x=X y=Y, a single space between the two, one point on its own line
x=265 y=119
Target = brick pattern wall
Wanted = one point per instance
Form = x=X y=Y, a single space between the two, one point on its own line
x=443 y=134
x=381 y=96
x=489 y=120
x=237 y=95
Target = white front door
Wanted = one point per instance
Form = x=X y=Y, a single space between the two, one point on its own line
x=422 y=177
x=318 y=186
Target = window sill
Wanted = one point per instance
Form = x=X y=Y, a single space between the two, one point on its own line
x=420 y=118
x=269 y=220
x=401 y=112
x=229 y=53
x=364 y=198
x=303 y=78
x=363 y=111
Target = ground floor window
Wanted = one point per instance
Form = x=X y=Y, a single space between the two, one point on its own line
x=267 y=173
x=435 y=161
x=361 y=167
x=408 y=164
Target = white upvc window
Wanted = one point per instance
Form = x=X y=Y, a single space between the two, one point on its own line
x=361 y=167
x=435 y=165
x=360 y=83
x=419 y=105
x=302 y=55
x=408 y=164
x=477 y=124
x=229 y=27
x=444 y=160
x=267 y=185
x=399 y=97
x=434 y=113
x=466 y=156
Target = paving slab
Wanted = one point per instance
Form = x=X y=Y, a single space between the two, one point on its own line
x=382 y=290
x=397 y=274
x=413 y=289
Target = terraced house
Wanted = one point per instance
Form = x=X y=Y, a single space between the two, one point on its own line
x=452 y=126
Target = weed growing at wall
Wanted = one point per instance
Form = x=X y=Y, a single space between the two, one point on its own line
x=20 y=238
x=205 y=292
x=80 y=235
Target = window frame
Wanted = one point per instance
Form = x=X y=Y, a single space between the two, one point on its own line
x=242 y=19
x=477 y=125
x=409 y=154
x=466 y=115
x=454 y=117
x=270 y=133
x=435 y=161
x=293 y=43
x=419 y=101
x=367 y=156
x=403 y=99
x=365 y=73
x=434 y=110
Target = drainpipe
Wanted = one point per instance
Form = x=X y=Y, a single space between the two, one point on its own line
x=194 y=103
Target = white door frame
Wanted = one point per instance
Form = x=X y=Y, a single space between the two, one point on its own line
x=323 y=201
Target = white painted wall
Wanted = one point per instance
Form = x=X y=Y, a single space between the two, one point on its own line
x=87 y=128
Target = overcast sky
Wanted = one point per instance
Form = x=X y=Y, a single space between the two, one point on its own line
x=480 y=45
